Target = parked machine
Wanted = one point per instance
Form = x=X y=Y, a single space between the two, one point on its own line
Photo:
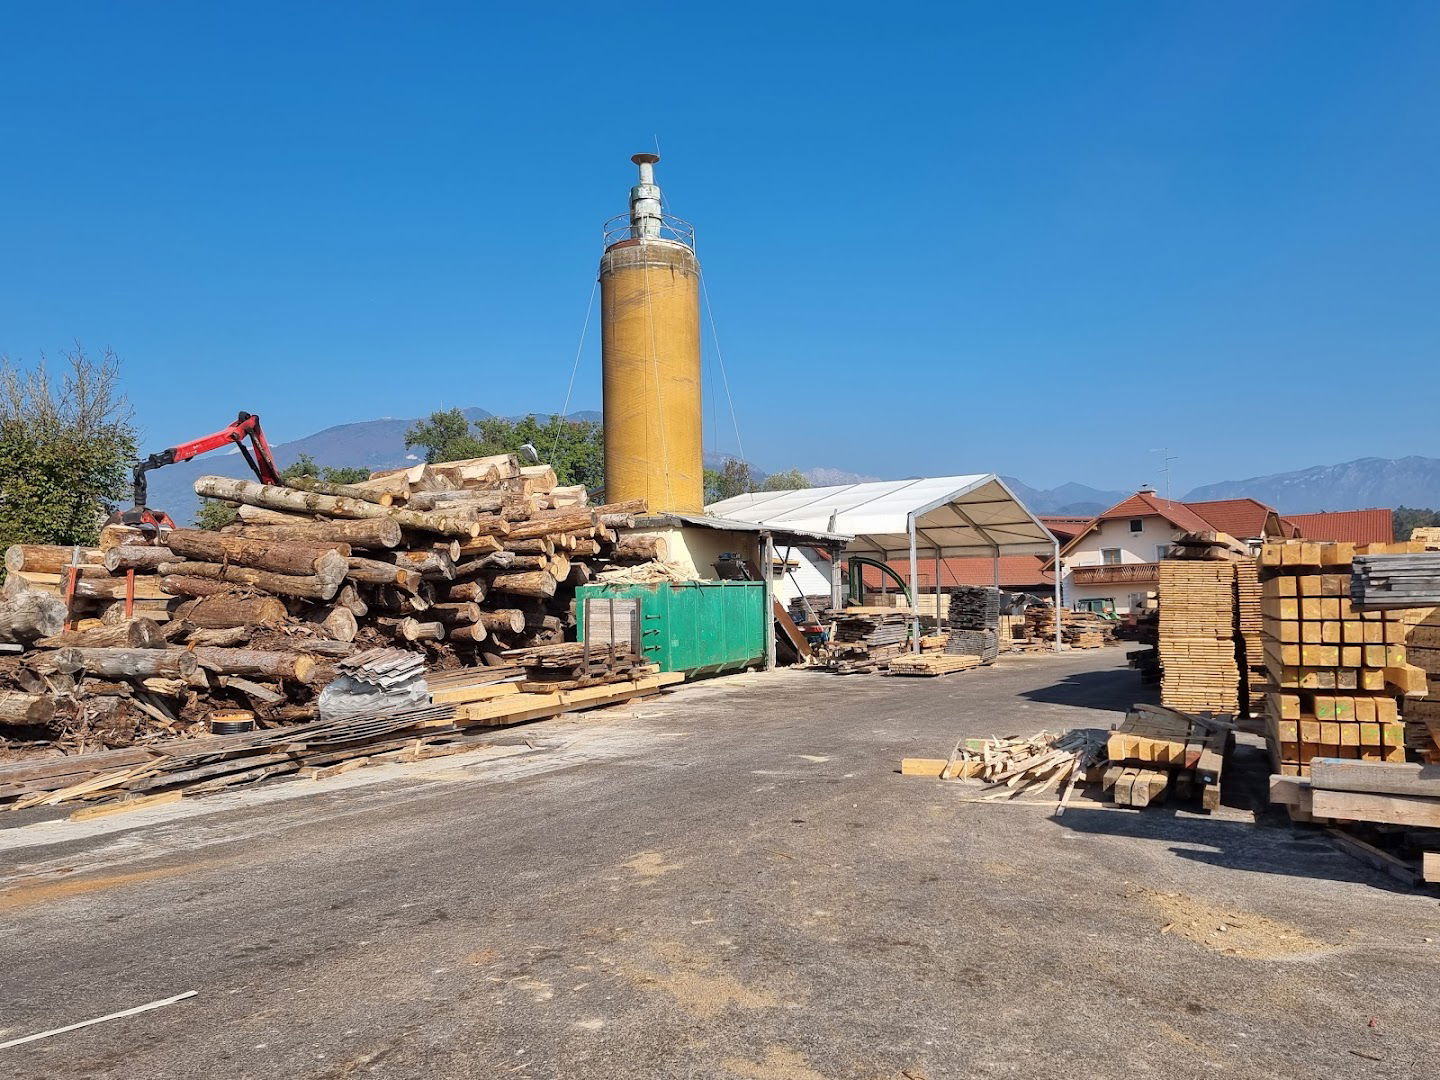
x=257 y=455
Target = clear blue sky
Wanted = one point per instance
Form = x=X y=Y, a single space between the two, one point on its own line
x=1038 y=239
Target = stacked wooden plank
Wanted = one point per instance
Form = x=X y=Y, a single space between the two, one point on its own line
x=932 y=663
x=1250 y=627
x=1384 y=582
x=1336 y=672
x=1197 y=636
x=983 y=645
x=973 y=607
x=1421 y=716
x=1093 y=628
x=1384 y=794
x=863 y=639
x=146 y=634
x=1156 y=751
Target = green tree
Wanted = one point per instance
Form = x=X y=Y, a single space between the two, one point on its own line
x=575 y=449
x=731 y=479
x=304 y=468
x=215 y=515
x=66 y=449
x=1410 y=517
x=445 y=436
x=793 y=480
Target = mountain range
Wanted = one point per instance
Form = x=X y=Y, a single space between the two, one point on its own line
x=380 y=444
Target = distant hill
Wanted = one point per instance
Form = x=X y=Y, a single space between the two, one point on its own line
x=1354 y=485
x=371 y=444
x=1067 y=500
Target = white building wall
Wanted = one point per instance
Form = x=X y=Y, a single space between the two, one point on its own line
x=1134 y=547
x=810 y=575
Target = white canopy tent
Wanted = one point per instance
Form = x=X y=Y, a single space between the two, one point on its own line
x=947 y=516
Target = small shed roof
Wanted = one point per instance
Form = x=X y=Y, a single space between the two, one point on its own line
x=961 y=515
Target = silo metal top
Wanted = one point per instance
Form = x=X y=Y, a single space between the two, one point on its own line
x=647 y=220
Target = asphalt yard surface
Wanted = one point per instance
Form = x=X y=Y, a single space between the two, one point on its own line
x=729 y=881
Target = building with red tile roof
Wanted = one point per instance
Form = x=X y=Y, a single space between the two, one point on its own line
x=1244 y=519
x=1373 y=526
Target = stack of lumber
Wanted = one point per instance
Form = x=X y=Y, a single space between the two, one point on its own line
x=1394 y=796
x=932 y=663
x=573 y=664
x=1208 y=546
x=818 y=608
x=863 y=639
x=1384 y=582
x=984 y=645
x=1197 y=636
x=1422 y=715
x=1156 y=751
x=1250 y=627
x=1074 y=625
x=1336 y=672
x=146 y=634
x=1019 y=765
x=973 y=607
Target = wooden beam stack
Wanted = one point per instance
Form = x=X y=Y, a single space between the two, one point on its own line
x=1336 y=673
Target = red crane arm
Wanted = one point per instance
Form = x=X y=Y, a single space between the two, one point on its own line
x=247 y=426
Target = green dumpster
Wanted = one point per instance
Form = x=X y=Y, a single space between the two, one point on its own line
x=698 y=627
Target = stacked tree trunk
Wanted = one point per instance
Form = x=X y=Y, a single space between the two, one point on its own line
x=150 y=633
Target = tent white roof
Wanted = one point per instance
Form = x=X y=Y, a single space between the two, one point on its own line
x=961 y=515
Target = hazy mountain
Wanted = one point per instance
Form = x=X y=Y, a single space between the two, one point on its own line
x=1354 y=485
x=821 y=476
x=1067 y=500
x=372 y=444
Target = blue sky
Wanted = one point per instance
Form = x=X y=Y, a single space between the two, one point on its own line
x=1038 y=239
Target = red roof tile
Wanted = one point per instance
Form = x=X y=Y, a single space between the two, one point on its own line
x=1243 y=519
x=1145 y=504
x=1016 y=571
x=1347 y=526
x=1064 y=527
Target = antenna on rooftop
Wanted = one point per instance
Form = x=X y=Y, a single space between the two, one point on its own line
x=1165 y=459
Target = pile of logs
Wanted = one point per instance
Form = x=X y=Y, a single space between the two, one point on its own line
x=147 y=634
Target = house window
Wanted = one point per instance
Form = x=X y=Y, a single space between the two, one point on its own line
x=1110 y=556
x=1137 y=525
x=1162 y=551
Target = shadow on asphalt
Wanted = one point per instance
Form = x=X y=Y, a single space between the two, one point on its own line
x=1232 y=845
x=1110 y=690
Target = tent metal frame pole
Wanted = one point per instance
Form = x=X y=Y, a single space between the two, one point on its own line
x=939 y=616
x=997 y=566
x=768 y=558
x=837 y=594
x=1058 y=575
x=914 y=589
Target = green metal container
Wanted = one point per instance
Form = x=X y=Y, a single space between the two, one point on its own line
x=699 y=627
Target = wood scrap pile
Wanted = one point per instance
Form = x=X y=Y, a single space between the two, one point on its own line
x=1019 y=765
x=863 y=639
x=146 y=635
x=1157 y=751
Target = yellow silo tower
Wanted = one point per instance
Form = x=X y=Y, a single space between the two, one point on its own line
x=650 y=322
